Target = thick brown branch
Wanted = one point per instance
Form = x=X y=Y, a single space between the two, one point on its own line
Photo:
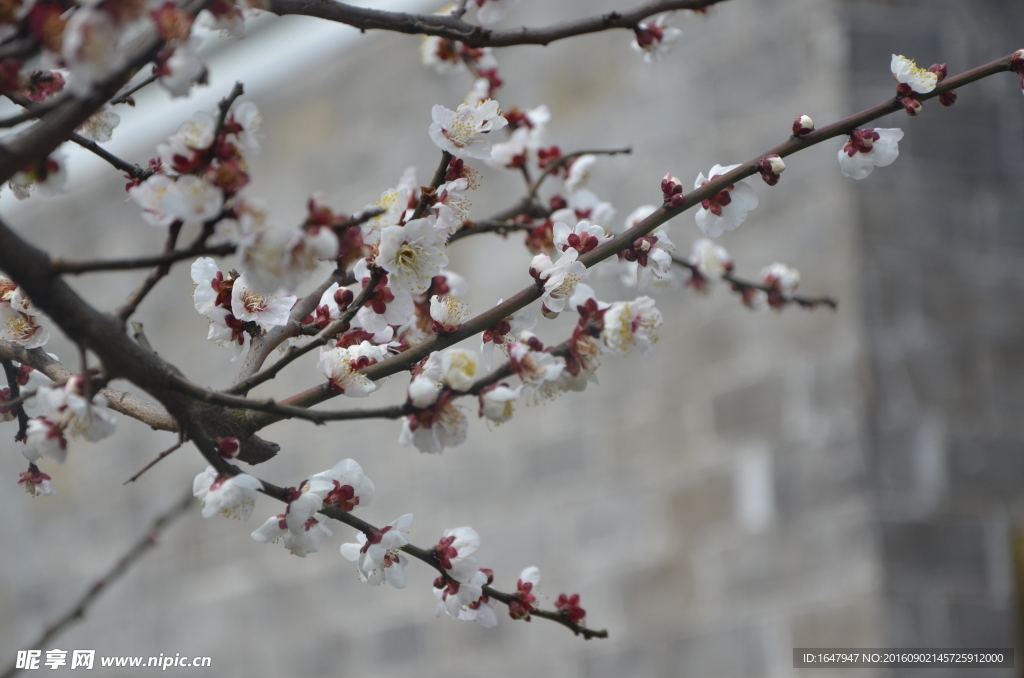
x=454 y=28
x=15 y=401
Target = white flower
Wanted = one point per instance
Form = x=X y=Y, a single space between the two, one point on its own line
x=451 y=206
x=867 y=149
x=579 y=172
x=712 y=262
x=100 y=125
x=37 y=483
x=345 y=484
x=512 y=153
x=277 y=256
x=629 y=323
x=653 y=257
x=582 y=237
x=384 y=307
x=226 y=330
x=30 y=330
x=192 y=136
x=526 y=594
x=584 y=204
x=431 y=430
x=497 y=403
x=463 y=132
x=447 y=312
x=266 y=311
x=307 y=539
x=910 y=77
x=454 y=549
x=460 y=368
x=395 y=204
x=150 y=196
x=423 y=391
x=781 y=278
x=509 y=328
x=376 y=555
x=728 y=208
x=194 y=200
x=560 y=280
x=45 y=439
x=534 y=366
x=208 y=281
x=183 y=68
x=245 y=121
x=411 y=256
x=654 y=40
x=90 y=49
x=233 y=496
x=48 y=175
x=492 y=11
x=341 y=367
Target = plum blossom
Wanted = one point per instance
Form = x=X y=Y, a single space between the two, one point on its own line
x=728 y=208
x=584 y=204
x=910 y=78
x=244 y=122
x=504 y=332
x=491 y=12
x=100 y=125
x=631 y=323
x=186 y=146
x=394 y=204
x=90 y=49
x=466 y=601
x=463 y=132
x=533 y=364
x=560 y=280
x=447 y=312
x=654 y=40
x=454 y=549
x=306 y=539
x=459 y=368
x=412 y=255
x=436 y=427
x=22 y=324
x=579 y=172
x=48 y=176
x=226 y=330
x=344 y=486
x=653 y=255
x=782 y=281
x=385 y=306
x=36 y=483
x=582 y=237
x=525 y=595
x=250 y=306
x=496 y=403
x=45 y=439
x=868 y=149
x=451 y=206
x=182 y=68
x=341 y=367
x=803 y=126
x=710 y=261
x=569 y=607
x=378 y=555
x=233 y=496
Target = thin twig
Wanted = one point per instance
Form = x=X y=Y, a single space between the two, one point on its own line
x=554 y=166
x=136 y=297
x=11 y=372
x=739 y=284
x=126 y=98
x=159 y=457
x=139 y=549
x=438 y=179
x=64 y=266
x=454 y=28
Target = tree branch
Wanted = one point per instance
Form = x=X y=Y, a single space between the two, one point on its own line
x=64 y=266
x=739 y=284
x=454 y=28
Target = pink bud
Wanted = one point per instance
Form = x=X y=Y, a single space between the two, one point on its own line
x=948 y=98
x=548 y=313
x=803 y=125
x=540 y=263
x=1017 y=61
x=672 y=190
x=939 y=70
x=911 y=106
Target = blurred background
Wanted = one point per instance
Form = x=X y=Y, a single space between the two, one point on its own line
x=766 y=481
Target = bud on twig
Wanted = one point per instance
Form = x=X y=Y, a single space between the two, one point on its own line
x=803 y=125
x=911 y=106
x=939 y=70
x=672 y=191
x=948 y=98
x=771 y=167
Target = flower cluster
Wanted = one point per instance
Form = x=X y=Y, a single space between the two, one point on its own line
x=20 y=321
x=68 y=412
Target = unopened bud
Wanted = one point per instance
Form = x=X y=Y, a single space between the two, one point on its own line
x=343 y=297
x=771 y=167
x=948 y=98
x=228 y=447
x=672 y=191
x=803 y=125
x=548 y=313
x=540 y=263
x=939 y=70
x=911 y=106
x=1017 y=61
